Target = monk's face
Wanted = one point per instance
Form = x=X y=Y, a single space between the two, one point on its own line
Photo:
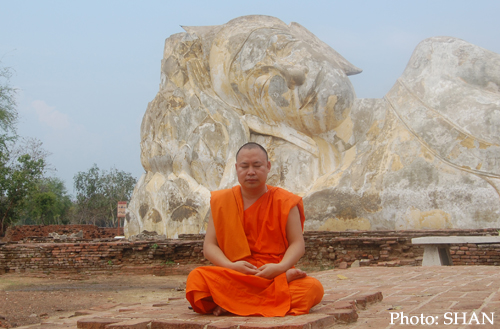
x=252 y=168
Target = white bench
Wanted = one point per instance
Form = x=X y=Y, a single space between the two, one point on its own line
x=436 y=248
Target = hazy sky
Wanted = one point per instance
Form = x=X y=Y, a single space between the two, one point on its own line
x=86 y=70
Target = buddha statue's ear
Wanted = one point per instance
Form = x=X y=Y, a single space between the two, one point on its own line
x=308 y=37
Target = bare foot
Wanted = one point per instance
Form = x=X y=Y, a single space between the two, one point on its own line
x=294 y=274
x=219 y=311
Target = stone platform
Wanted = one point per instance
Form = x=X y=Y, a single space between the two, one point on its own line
x=353 y=300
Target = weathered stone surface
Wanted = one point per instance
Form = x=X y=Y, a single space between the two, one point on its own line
x=426 y=156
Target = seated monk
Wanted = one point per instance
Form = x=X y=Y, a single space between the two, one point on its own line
x=254 y=239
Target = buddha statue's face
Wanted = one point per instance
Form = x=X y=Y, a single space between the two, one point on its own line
x=281 y=78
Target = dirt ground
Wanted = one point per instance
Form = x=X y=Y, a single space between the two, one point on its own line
x=27 y=300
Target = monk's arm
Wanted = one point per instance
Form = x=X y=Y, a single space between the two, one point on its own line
x=296 y=248
x=214 y=254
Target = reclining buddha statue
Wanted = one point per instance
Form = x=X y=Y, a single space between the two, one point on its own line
x=426 y=156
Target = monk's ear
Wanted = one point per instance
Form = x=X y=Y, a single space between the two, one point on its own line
x=268 y=165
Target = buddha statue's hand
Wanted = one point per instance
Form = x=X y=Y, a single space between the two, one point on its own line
x=270 y=271
x=243 y=267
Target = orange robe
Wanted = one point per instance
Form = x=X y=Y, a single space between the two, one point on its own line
x=258 y=236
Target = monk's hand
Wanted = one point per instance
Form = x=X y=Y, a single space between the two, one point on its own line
x=244 y=267
x=270 y=271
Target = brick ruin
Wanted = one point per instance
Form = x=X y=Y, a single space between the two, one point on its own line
x=97 y=254
x=90 y=232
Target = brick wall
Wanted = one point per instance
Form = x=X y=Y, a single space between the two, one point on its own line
x=100 y=257
x=323 y=250
x=387 y=248
x=90 y=232
x=475 y=254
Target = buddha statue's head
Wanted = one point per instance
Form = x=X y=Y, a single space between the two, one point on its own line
x=280 y=73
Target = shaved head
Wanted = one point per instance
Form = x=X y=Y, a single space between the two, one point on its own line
x=252 y=145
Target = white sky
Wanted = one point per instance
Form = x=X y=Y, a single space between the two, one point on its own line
x=86 y=70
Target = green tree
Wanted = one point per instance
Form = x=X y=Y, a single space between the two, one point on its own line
x=22 y=161
x=118 y=186
x=8 y=111
x=18 y=172
x=17 y=181
x=49 y=203
x=98 y=192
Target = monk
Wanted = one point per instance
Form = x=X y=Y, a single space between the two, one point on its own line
x=254 y=238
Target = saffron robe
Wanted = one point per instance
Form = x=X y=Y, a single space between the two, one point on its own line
x=258 y=236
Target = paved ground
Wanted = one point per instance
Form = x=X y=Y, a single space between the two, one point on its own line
x=437 y=297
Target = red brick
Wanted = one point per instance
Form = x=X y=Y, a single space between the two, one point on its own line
x=131 y=309
x=313 y=321
x=160 y=304
x=344 y=305
x=372 y=297
x=95 y=323
x=130 y=324
x=103 y=307
x=342 y=265
x=83 y=312
x=177 y=324
x=224 y=324
x=343 y=315
x=407 y=262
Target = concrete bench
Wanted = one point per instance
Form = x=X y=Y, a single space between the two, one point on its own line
x=437 y=248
